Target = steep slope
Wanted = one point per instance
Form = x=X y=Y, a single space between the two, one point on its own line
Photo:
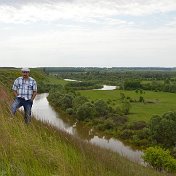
x=39 y=149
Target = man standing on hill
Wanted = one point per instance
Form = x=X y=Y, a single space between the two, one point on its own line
x=25 y=90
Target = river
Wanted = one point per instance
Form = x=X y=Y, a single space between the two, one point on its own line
x=44 y=112
x=105 y=87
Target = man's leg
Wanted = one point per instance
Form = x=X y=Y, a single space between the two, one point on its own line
x=27 y=110
x=15 y=105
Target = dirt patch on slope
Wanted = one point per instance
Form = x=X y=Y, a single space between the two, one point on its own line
x=4 y=95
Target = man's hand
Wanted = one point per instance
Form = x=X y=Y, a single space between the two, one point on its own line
x=33 y=95
x=15 y=93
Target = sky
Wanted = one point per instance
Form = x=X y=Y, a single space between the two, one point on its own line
x=88 y=33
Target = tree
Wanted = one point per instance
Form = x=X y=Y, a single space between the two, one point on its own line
x=163 y=129
x=122 y=97
x=141 y=99
x=66 y=101
x=132 y=85
x=167 y=81
x=126 y=106
x=86 y=111
x=78 y=101
x=101 y=108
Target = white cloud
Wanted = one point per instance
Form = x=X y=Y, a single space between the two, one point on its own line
x=78 y=10
x=86 y=33
x=94 y=47
x=172 y=23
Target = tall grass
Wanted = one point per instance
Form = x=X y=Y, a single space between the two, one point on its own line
x=40 y=149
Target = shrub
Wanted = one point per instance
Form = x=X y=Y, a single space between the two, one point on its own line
x=119 y=120
x=106 y=125
x=141 y=99
x=66 y=101
x=126 y=134
x=138 y=125
x=69 y=111
x=78 y=101
x=101 y=108
x=173 y=152
x=132 y=85
x=86 y=111
x=160 y=159
x=163 y=129
x=122 y=97
x=125 y=107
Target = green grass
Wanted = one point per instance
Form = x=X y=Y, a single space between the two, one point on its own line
x=160 y=102
x=54 y=80
x=39 y=149
x=148 y=81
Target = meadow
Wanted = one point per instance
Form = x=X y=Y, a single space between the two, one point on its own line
x=39 y=149
x=156 y=102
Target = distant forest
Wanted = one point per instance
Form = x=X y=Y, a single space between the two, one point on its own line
x=105 y=69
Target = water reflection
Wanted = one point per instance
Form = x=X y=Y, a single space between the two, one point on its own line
x=106 y=87
x=72 y=80
x=44 y=112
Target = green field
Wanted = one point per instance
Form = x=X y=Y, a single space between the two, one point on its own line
x=147 y=81
x=54 y=80
x=158 y=102
x=39 y=149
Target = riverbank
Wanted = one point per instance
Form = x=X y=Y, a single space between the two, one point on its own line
x=44 y=112
x=41 y=149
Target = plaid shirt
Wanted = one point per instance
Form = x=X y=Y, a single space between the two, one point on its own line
x=24 y=87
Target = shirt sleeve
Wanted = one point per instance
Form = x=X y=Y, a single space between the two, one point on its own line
x=35 y=86
x=15 y=85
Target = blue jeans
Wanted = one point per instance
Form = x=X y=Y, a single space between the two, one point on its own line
x=27 y=104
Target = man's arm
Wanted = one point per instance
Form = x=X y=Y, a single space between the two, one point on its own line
x=33 y=95
x=15 y=88
x=34 y=90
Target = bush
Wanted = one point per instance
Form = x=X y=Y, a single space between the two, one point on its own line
x=117 y=110
x=160 y=159
x=119 y=120
x=84 y=85
x=66 y=101
x=86 y=111
x=139 y=125
x=106 y=125
x=132 y=85
x=69 y=111
x=125 y=107
x=101 y=108
x=139 y=142
x=141 y=99
x=173 y=152
x=143 y=133
x=78 y=101
x=126 y=134
x=163 y=129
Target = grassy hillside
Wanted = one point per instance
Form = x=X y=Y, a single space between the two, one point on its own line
x=156 y=102
x=7 y=77
x=39 y=149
